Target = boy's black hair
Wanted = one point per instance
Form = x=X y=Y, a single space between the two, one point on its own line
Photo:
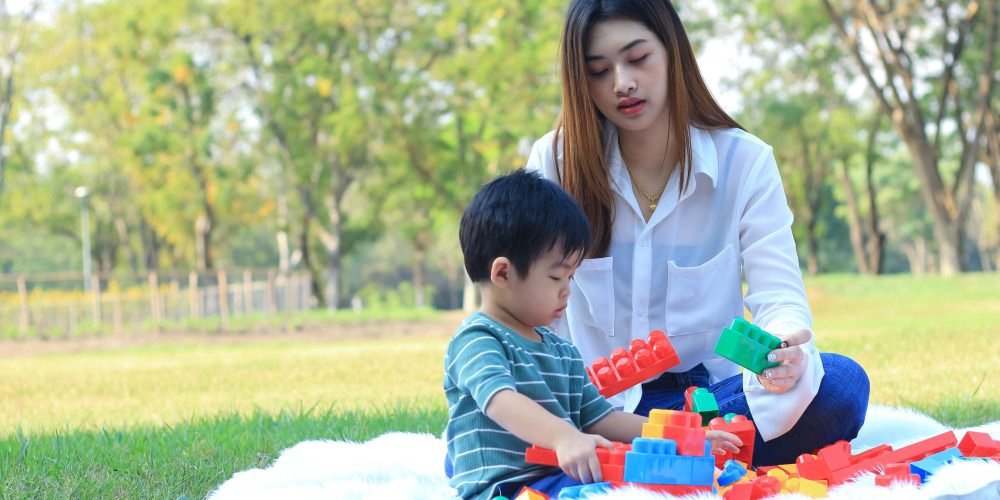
x=520 y=216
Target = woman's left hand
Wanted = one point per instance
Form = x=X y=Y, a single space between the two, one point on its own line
x=783 y=377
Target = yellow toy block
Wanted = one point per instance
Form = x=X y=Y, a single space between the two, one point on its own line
x=806 y=487
x=780 y=475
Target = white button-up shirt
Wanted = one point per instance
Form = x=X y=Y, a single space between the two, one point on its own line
x=682 y=270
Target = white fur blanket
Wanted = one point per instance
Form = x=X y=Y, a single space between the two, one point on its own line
x=400 y=465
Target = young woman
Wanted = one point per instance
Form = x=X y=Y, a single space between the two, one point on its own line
x=683 y=203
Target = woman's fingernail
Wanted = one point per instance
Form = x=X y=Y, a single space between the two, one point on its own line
x=772 y=357
x=768 y=373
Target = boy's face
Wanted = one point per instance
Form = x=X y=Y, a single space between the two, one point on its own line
x=540 y=297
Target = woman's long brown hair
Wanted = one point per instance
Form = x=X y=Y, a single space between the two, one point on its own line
x=689 y=102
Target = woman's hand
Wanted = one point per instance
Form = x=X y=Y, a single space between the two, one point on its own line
x=783 y=377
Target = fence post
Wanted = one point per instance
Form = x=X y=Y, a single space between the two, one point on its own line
x=95 y=288
x=116 y=310
x=247 y=292
x=193 y=302
x=154 y=298
x=22 y=291
x=223 y=300
x=270 y=296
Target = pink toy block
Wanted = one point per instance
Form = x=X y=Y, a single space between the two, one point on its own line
x=896 y=474
x=978 y=444
x=642 y=361
x=681 y=426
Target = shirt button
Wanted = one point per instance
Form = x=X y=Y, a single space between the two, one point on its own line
x=643 y=242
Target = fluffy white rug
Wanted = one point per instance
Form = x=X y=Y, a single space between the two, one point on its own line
x=401 y=465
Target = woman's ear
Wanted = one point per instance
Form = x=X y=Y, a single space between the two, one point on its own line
x=500 y=272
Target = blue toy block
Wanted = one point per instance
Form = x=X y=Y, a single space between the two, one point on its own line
x=732 y=471
x=584 y=490
x=927 y=467
x=655 y=461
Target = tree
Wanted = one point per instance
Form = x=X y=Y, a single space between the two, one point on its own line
x=12 y=33
x=894 y=46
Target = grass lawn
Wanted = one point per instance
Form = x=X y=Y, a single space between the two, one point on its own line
x=175 y=419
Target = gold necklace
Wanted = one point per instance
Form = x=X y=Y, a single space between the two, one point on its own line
x=653 y=199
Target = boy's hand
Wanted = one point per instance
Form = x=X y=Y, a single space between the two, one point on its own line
x=578 y=458
x=723 y=441
x=783 y=377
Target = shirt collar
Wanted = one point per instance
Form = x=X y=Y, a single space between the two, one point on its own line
x=704 y=158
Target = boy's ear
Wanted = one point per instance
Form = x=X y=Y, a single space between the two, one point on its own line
x=500 y=272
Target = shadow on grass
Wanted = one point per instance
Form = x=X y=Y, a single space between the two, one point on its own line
x=184 y=461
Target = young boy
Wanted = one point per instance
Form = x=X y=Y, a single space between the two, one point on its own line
x=510 y=381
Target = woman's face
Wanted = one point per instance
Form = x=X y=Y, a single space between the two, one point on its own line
x=627 y=73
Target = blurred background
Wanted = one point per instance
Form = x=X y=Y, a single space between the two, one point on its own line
x=185 y=164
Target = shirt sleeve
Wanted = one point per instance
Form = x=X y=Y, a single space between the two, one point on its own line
x=775 y=294
x=477 y=366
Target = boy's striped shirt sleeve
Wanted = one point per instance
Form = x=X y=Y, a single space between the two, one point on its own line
x=477 y=366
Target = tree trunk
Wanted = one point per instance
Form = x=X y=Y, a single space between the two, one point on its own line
x=418 y=278
x=315 y=278
x=875 y=247
x=854 y=220
x=203 y=242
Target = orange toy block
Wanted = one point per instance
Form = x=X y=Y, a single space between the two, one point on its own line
x=643 y=360
x=896 y=473
x=906 y=454
x=743 y=428
x=681 y=426
x=527 y=493
x=978 y=444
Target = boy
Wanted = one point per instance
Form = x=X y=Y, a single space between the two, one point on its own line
x=510 y=382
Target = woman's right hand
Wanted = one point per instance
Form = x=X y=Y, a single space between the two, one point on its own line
x=577 y=456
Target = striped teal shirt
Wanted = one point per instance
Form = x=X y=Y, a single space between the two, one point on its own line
x=484 y=358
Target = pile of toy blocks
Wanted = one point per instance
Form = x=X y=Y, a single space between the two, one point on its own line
x=674 y=456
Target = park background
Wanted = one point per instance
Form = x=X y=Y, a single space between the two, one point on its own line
x=230 y=225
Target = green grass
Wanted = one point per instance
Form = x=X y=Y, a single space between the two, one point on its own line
x=177 y=419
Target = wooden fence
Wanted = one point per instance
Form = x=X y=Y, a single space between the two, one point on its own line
x=55 y=306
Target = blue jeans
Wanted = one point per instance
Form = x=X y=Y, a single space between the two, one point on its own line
x=836 y=413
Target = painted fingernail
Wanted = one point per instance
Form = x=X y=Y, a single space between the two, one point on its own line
x=768 y=373
x=784 y=344
x=772 y=357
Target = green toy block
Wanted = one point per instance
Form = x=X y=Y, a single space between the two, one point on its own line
x=703 y=403
x=747 y=345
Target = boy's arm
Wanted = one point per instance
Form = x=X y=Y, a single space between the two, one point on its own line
x=619 y=426
x=529 y=421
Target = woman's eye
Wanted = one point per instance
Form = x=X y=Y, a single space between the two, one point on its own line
x=639 y=60
x=598 y=73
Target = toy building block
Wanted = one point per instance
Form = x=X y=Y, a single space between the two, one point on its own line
x=907 y=454
x=584 y=490
x=764 y=487
x=527 y=493
x=642 y=361
x=683 y=428
x=926 y=467
x=738 y=491
x=688 y=398
x=896 y=474
x=672 y=489
x=655 y=461
x=978 y=444
x=747 y=345
x=743 y=428
x=612 y=461
x=812 y=467
x=731 y=472
x=806 y=487
x=703 y=403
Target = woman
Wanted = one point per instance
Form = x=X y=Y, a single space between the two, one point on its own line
x=682 y=203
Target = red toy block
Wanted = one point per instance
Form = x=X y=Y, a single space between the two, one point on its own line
x=906 y=454
x=764 y=487
x=643 y=360
x=739 y=491
x=836 y=455
x=978 y=444
x=689 y=398
x=743 y=428
x=896 y=474
x=872 y=453
x=612 y=461
x=813 y=468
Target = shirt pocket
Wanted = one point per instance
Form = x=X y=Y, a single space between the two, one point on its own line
x=592 y=301
x=704 y=298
